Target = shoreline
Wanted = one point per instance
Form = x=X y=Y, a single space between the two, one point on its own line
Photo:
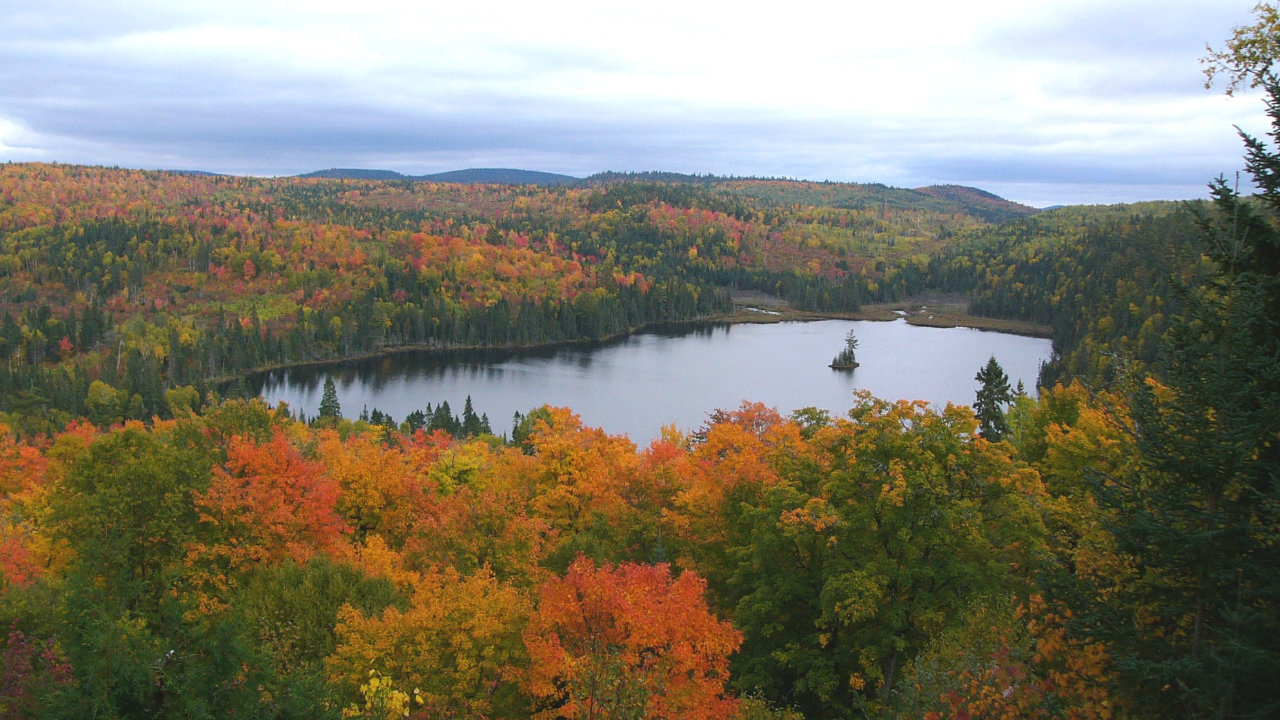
x=927 y=310
x=931 y=310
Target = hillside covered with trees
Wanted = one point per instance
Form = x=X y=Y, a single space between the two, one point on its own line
x=142 y=282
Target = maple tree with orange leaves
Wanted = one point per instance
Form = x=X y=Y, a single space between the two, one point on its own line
x=628 y=641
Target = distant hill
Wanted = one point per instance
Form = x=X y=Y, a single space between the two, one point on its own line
x=356 y=174
x=500 y=176
x=858 y=196
x=198 y=173
x=610 y=176
x=939 y=198
x=981 y=203
x=497 y=176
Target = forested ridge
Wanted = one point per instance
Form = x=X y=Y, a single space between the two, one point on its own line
x=1105 y=549
x=1104 y=278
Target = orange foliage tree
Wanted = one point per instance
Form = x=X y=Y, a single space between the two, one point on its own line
x=23 y=549
x=578 y=475
x=268 y=503
x=374 y=481
x=628 y=641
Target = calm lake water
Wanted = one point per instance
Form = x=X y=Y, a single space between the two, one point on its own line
x=636 y=385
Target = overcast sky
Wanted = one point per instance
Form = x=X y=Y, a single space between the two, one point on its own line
x=1043 y=102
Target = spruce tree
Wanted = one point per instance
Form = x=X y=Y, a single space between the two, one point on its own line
x=329 y=407
x=471 y=425
x=991 y=399
x=1195 y=630
x=444 y=419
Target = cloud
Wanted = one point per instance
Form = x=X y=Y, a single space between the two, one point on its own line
x=1072 y=92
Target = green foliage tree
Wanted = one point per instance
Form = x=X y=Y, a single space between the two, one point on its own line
x=126 y=504
x=329 y=407
x=471 y=423
x=992 y=397
x=137 y=646
x=871 y=544
x=1196 y=630
x=289 y=613
x=103 y=403
x=444 y=419
x=524 y=424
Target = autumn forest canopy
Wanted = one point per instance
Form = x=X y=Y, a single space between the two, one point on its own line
x=171 y=546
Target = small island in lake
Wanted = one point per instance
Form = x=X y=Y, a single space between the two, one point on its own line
x=847 y=359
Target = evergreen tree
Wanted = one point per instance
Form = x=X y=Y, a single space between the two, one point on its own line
x=444 y=419
x=471 y=425
x=415 y=421
x=1195 y=630
x=848 y=357
x=992 y=397
x=329 y=407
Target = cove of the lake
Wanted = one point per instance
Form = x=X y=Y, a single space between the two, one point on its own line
x=638 y=384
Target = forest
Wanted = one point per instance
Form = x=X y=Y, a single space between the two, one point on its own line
x=172 y=548
x=117 y=286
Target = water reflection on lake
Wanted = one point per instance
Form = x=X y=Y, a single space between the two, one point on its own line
x=640 y=383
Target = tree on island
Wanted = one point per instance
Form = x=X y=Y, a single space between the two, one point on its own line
x=992 y=397
x=847 y=359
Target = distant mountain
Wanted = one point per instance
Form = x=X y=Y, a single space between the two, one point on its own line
x=356 y=174
x=980 y=203
x=496 y=176
x=500 y=176
x=198 y=173
x=785 y=191
x=610 y=176
x=975 y=202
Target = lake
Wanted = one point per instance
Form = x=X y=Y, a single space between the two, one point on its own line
x=637 y=384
